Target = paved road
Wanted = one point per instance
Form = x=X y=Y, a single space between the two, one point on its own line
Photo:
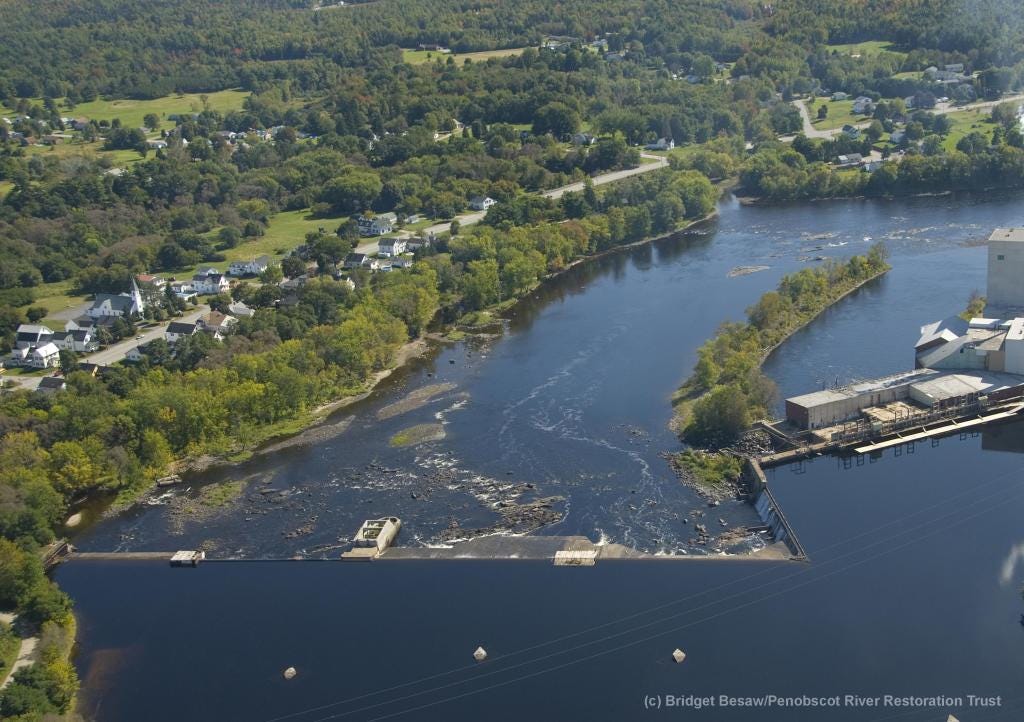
x=941 y=109
x=116 y=352
x=469 y=219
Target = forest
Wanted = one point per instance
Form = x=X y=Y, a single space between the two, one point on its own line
x=337 y=124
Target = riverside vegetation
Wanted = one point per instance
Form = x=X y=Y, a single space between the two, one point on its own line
x=727 y=390
x=355 y=130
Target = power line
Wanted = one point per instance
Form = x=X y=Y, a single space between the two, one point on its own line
x=666 y=605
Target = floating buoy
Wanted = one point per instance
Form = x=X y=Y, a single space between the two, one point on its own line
x=679 y=655
x=290 y=673
x=480 y=654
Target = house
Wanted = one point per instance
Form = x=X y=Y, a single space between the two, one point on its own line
x=661 y=144
x=357 y=260
x=954 y=67
x=183 y=290
x=481 y=203
x=216 y=323
x=417 y=242
x=583 y=139
x=31 y=335
x=850 y=131
x=871 y=166
x=79 y=340
x=44 y=357
x=402 y=262
x=17 y=357
x=376 y=225
x=156 y=144
x=240 y=310
x=210 y=283
x=389 y=247
x=150 y=280
x=90 y=369
x=850 y=160
x=120 y=306
x=412 y=218
x=177 y=330
x=839 y=96
x=137 y=353
x=897 y=137
x=294 y=284
x=51 y=384
x=251 y=267
x=863 y=106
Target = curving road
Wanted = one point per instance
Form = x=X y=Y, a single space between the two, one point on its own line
x=469 y=219
x=941 y=109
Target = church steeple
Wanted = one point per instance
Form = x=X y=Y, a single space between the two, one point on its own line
x=138 y=301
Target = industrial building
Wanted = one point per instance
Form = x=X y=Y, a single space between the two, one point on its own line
x=958 y=363
x=1005 y=270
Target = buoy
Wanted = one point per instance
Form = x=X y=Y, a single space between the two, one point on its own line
x=290 y=673
x=480 y=654
x=951 y=718
x=679 y=655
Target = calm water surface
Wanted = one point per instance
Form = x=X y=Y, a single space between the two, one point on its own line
x=912 y=588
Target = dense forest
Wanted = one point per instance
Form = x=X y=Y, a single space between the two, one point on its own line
x=347 y=113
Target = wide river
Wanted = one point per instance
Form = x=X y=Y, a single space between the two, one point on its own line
x=917 y=558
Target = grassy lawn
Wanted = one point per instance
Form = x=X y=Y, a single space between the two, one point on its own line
x=5 y=188
x=868 y=47
x=79 y=148
x=965 y=122
x=131 y=112
x=839 y=114
x=418 y=57
x=56 y=297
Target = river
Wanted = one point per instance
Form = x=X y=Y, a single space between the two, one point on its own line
x=912 y=586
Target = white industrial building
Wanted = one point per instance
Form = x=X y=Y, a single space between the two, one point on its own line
x=1006 y=270
x=957 y=361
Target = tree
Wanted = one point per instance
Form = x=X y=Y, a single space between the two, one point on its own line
x=480 y=284
x=822 y=111
x=356 y=190
x=68 y=361
x=272 y=275
x=151 y=121
x=718 y=417
x=556 y=118
x=292 y=266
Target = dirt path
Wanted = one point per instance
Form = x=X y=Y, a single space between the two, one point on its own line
x=26 y=655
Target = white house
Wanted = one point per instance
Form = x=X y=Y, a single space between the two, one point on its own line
x=481 y=203
x=863 y=106
x=217 y=324
x=661 y=144
x=177 y=330
x=839 y=96
x=252 y=267
x=240 y=310
x=120 y=305
x=29 y=335
x=78 y=340
x=210 y=283
x=376 y=225
x=389 y=247
x=185 y=291
x=44 y=357
x=136 y=353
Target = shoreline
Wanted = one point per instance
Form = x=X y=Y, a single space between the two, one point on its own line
x=416 y=348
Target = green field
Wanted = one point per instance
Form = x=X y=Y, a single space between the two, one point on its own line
x=868 y=47
x=839 y=114
x=418 y=57
x=131 y=112
x=965 y=122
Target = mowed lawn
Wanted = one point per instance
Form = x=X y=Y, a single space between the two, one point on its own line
x=840 y=113
x=417 y=57
x=965 y=122
x=868 y=47
x=131 y=112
